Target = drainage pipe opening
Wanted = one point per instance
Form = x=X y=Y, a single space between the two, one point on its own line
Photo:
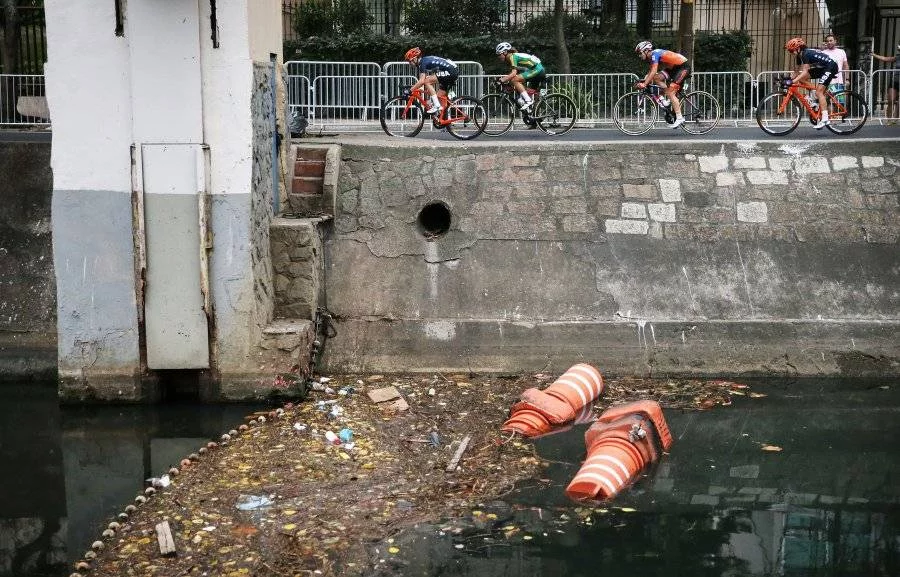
x=434 y=220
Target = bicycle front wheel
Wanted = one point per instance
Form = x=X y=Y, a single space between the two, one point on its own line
x=555 y=113
x=778 y=122
x=500 y=114
x=399 y=120
x=847 y=112
x=635 y=113
x=701 y=112
x=469 y=117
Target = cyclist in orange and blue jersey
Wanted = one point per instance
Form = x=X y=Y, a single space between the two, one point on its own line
x=527 y=70
x=432 y=70
x=813 y=64
x=668 y=70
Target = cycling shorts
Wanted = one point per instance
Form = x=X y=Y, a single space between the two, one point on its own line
x=534 y=79
x=446 y=79
x=824 y=75
x=678 y=74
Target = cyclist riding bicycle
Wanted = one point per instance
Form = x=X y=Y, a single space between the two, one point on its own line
x=813 y=64
x=433 y=70
x=668 y=70
x=527 y=71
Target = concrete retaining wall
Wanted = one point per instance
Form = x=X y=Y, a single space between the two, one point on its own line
x=676 y=258
x=27 y=283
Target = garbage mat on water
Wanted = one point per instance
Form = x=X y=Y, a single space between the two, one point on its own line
x=253 y=502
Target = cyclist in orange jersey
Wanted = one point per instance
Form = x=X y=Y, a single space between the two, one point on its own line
x=668 y=70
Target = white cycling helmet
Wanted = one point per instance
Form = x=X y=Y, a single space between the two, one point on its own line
x=503 y=47
x=643 y=45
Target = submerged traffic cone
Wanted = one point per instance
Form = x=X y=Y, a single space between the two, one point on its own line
x=623 y=442
x=539 y=411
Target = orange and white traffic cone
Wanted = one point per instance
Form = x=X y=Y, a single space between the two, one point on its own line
x=623 y=442
x=539 y=411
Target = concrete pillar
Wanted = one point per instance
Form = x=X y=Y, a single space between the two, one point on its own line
x=162 y=165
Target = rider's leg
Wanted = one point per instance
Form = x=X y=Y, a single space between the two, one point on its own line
x=432 y=94
x=524 y=99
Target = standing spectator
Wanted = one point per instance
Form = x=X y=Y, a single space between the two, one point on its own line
x=893 y=84
x=839 y=56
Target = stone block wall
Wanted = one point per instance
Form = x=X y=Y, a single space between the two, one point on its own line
x=680 y=257
x=297 y=261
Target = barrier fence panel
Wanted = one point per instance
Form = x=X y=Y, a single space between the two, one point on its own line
x=595 y=95
x=298 y=94
x=312 y=69
x=733 y=90
x=879 y=92
x=22 y=100
x=346 y=100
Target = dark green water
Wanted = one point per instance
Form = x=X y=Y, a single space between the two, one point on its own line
x=828 y=504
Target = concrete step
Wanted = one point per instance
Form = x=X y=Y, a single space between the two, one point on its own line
x=307 y=185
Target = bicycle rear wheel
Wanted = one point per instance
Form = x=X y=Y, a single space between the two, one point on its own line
x=472 y=118
x=774 y=122
x=398 y=120
x=555 y=113
x=500 y=114
x=635 y=113
x=847 y=112
x=701 y=112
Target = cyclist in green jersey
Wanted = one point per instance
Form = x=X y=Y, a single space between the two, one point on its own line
x=527 y=71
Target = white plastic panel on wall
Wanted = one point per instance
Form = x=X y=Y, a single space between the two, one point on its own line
x=165 y=70
x=174 y=177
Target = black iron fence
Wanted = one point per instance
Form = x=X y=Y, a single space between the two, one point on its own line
x=30 y=52
x=769 y=22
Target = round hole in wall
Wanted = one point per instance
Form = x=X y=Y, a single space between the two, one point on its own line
x=434 y=219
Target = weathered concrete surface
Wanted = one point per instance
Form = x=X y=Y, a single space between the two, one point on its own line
x=27 y=285
x=688 y=258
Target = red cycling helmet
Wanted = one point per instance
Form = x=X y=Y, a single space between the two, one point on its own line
x=414 y=52
x=794 y=44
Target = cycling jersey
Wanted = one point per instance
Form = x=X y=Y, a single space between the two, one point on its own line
x=815 y=59
x=530 y=68
x=666 y=58
x=821 y=66
x=444 y=68
x=435 y=64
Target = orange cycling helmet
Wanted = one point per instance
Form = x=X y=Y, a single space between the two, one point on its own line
x=794 y=44
x=412 y=53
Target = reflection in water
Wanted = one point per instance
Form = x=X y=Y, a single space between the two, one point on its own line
x=68 y=470
x=717 y=505
x=826 y=504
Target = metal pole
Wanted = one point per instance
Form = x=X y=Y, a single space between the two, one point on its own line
x=276 y=193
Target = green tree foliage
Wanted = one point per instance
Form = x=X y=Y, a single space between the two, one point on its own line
x=722 y=52
x=575 y=26
x=587 y=55
x=475 y=17
x=332 y=18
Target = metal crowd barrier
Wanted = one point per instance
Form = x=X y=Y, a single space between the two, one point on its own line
x=347 y=96
x=878 y=94
x=22 y=100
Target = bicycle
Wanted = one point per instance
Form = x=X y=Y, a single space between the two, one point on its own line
x=779 y=113
x=637 y=112
x=553 y=112
x=464 y=117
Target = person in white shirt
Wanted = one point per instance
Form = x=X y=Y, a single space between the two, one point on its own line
x=839 y=56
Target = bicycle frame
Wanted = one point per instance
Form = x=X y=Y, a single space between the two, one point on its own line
x=509 y=91
x=837 y=108
x=442 y=119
